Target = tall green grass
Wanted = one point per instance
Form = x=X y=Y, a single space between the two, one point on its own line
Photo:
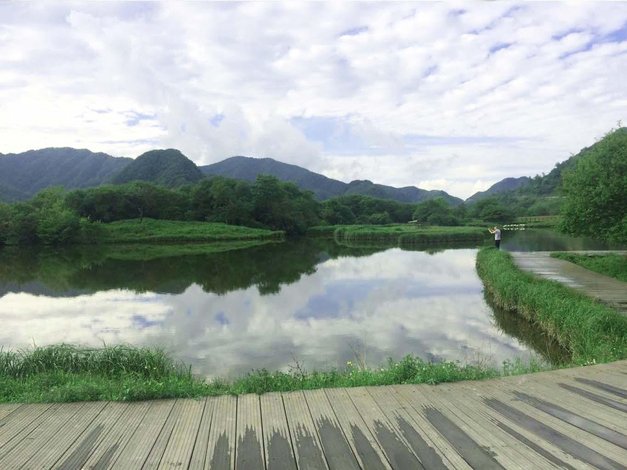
x=64 y=373
x=590 y=330
x=613 y=265
x=173 y=231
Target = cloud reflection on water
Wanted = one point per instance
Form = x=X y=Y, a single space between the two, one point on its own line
x=388 y=304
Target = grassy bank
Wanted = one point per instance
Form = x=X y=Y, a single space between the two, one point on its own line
x=173 y=231
x=65 y=373
x=400 y=234
x=591 y=331
x=613 y=265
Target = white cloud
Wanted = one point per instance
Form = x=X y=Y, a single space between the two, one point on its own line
x=543 y=74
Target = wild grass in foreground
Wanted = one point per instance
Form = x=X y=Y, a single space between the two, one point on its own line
x=64 y=373
x=590 y=330
x=613 y=265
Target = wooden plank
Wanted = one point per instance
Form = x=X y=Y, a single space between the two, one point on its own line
x=143 y=439
x=305 y=440
x=589 y=444
x=364 y=445
x=477 y=441
x=509 y=441
x=44 y=433
x=556 y=394
x=541 y=446
x=249 y=448
x=199 y=453
x=77 y=454
x=178 y=451
x=222 y=438
x=433 y=451
x=6 y=410
x=22 y=422
x=276 y=435
x=337 y=449
x=391 y=441
x=161 y=443
x=112 y=444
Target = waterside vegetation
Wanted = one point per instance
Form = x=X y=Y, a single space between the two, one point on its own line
x=405 y=234
x=64 y=373
x=613 y=265
x=591 y=331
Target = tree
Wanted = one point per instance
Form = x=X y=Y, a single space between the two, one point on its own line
x=435 y=212
x=595 y=190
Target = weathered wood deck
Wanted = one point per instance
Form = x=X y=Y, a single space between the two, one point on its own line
x=606 y=289
x=572 y=418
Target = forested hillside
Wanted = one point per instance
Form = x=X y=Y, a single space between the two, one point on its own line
x=168 y=168
x=23 y=175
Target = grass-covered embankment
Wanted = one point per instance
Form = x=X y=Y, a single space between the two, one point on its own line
x=64 y=373
x=400 y=234
x=613 y=265
x=174 y=231
x=591 y=331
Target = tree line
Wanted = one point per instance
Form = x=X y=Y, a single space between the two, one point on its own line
x=55 y=216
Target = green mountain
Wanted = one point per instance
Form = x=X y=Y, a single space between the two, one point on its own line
x=409 y=194
x=539 y=195
x=24 y=174
x=163 y=167
x=247 y=168
x=507 y=184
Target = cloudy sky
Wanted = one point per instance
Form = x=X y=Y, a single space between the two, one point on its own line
x=452 y=96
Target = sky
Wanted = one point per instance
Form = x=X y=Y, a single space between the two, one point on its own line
x=453 y=96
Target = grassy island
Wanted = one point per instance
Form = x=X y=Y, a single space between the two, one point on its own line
x=400 y=234
x=590 y=330
x=174 y=231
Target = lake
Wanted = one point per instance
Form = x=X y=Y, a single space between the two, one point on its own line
x=309 y=304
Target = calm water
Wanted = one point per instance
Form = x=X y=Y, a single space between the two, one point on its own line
x=313 y=303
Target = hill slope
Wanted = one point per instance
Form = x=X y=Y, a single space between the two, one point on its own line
x=164 y=167
x=24 y=174
x=507 y=184
x=247 y=168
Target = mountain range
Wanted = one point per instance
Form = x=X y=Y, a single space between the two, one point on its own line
x=23 y=175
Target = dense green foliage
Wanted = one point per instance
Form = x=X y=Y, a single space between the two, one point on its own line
x=54 y=217
x=64 y=373
x=168 y=168
x=596 y=190
x=591 y=331
x=613 y=265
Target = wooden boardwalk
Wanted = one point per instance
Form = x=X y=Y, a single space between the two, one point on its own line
x=606 y=289
x=571 y=418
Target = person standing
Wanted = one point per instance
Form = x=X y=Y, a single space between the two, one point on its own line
x=497 y=236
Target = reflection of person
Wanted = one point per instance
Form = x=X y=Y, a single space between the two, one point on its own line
x=497 y=236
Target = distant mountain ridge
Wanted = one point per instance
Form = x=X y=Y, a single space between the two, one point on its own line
x=25 y=174
x=507 y=184
x=248 y=169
